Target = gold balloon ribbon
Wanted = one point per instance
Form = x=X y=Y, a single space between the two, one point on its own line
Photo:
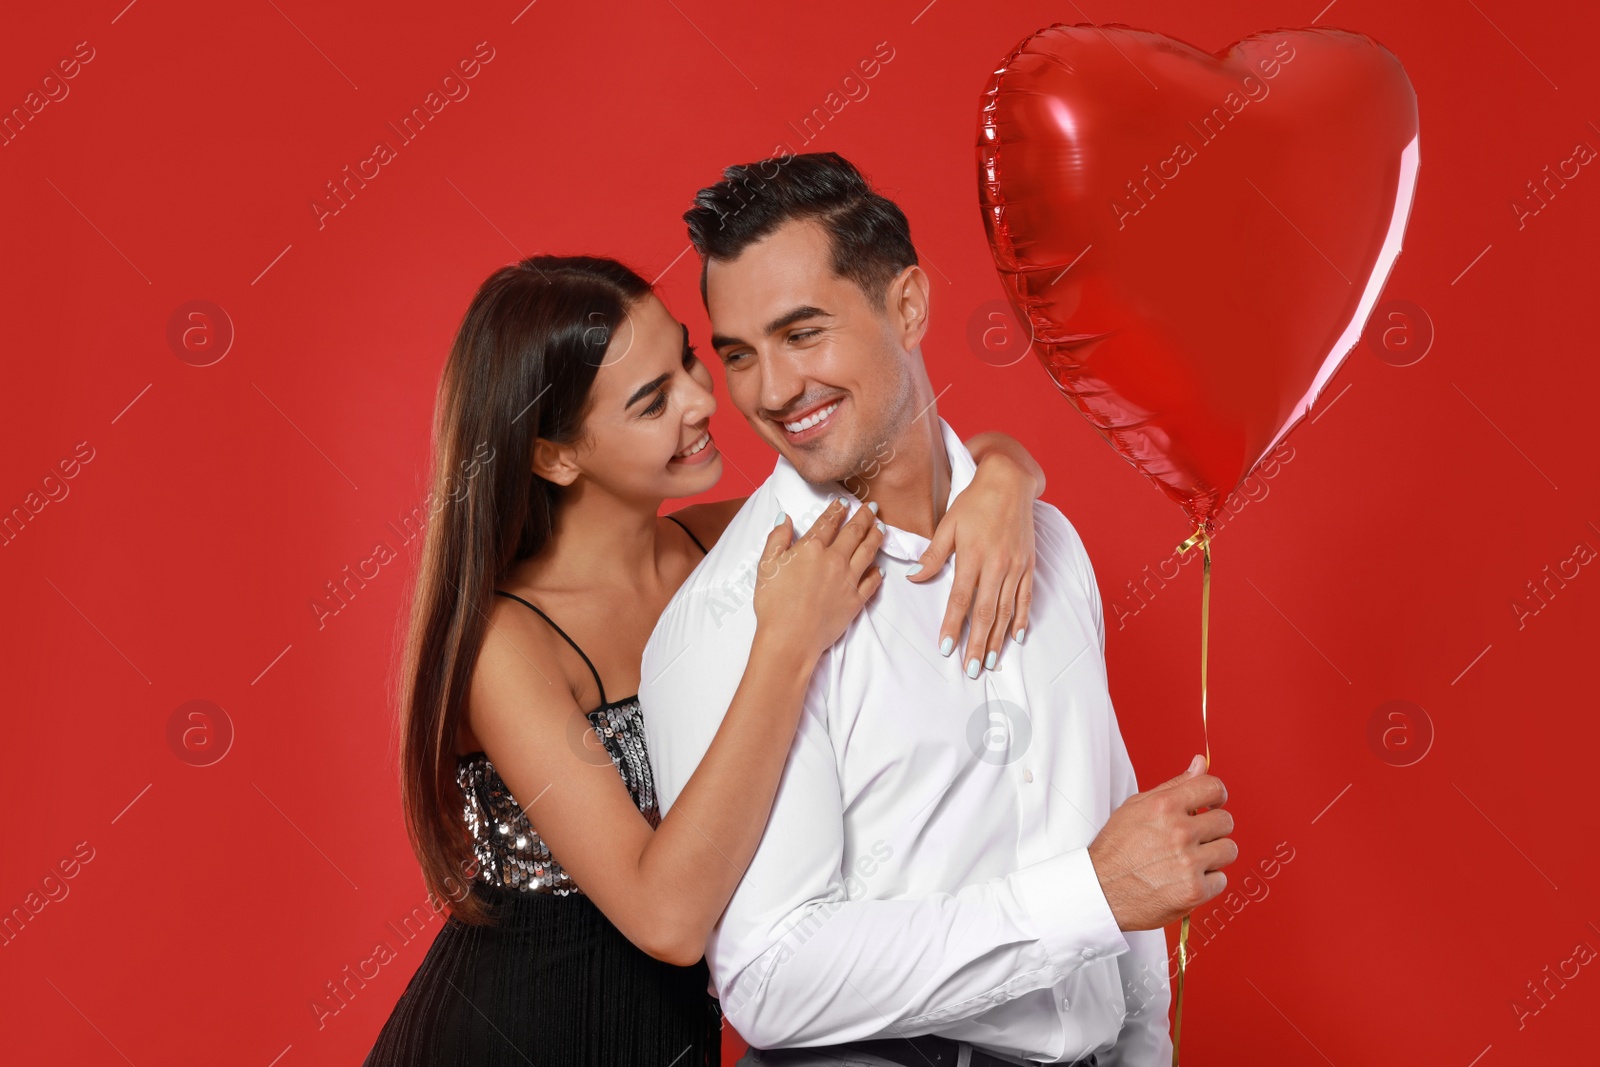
x=1201 y=537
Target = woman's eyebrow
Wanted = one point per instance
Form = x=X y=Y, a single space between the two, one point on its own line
x=645 y=390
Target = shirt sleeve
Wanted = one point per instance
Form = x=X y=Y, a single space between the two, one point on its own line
x=1145 y=1040
x=797 y=961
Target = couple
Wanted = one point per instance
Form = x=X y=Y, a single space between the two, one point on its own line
x=873 y=851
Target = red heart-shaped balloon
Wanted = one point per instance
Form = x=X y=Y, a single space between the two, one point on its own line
x=1195 y=240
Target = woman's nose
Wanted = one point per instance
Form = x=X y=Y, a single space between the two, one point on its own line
x=699 y=404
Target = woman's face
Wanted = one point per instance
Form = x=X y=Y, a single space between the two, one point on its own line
x=648 y=429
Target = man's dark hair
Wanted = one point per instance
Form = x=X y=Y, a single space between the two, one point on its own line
x=869 y=233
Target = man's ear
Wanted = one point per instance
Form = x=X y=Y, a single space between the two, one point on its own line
x=907 y=306
x=554 y=462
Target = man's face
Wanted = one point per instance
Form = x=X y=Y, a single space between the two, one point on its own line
x=818 y=367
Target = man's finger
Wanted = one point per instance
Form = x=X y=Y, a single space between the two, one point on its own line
x=1213 y=824
x=1196 y=766
x=1202 y=791
x=1218 y=854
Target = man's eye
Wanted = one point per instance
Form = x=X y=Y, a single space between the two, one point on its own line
x=803 y=335
x=734 y=357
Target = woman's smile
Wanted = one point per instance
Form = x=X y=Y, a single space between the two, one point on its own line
x=701 y=451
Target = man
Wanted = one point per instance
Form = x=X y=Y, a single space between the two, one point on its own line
x=957 y=870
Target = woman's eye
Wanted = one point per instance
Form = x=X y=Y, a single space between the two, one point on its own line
x=659 y=406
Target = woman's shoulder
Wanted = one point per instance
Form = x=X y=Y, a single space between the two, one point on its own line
x=708 y=520
x=519 y=649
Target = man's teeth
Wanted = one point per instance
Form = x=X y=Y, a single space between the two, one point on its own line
x=811 y=420
x=705 y=439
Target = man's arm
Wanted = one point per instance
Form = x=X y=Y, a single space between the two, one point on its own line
x=795 y=960
x=1145 y=1040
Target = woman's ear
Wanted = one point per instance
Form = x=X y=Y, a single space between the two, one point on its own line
x=555 y=463
x=907 y=306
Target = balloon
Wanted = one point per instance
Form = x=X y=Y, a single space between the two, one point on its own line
x=1195 y=241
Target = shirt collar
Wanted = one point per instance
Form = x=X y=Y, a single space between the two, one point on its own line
x=804 y=501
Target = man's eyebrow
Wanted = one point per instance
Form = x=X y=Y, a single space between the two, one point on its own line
x=645 y=390
x=805 y=311
x=799 y=314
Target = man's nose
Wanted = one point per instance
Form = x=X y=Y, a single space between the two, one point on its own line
x=781 y=383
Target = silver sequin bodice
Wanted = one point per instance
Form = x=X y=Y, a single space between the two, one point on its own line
x=510 y=852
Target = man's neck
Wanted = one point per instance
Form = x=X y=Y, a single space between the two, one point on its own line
x=910 y=478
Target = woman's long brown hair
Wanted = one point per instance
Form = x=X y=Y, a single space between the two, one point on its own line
x=520 y=369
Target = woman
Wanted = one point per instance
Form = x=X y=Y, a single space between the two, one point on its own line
x=571 y=407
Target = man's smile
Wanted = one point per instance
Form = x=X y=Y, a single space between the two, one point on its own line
x=811 y=423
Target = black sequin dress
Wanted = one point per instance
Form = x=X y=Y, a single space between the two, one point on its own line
x=551 y=982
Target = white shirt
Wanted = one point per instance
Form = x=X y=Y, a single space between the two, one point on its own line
x=925 y=868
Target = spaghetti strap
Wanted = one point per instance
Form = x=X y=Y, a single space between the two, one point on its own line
x=688 y=531
x=599 y=684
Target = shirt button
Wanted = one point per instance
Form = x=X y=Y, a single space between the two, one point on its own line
x=1088 y=953
x=1066 y=1002
x=1027 y=775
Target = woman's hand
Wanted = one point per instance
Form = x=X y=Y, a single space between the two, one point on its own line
x=990 y=528
x=808 y=591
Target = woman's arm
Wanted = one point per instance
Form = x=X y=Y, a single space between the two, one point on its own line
x=994 y=578
x=665 y=890
x=996 y=447
x=991 y=524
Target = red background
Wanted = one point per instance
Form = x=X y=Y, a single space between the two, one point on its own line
x=1381 y=564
